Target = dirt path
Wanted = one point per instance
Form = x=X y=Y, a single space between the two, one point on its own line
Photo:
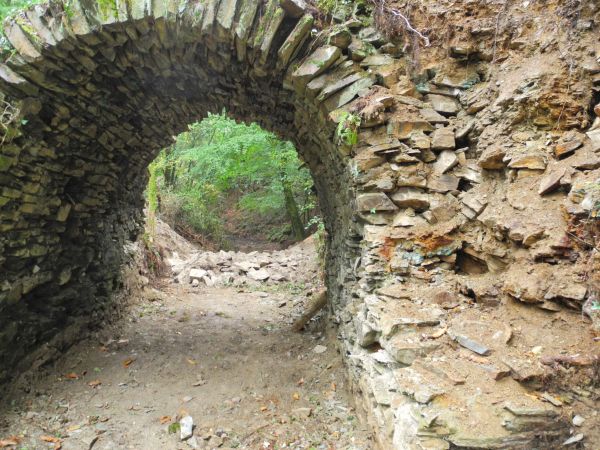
x=224 y=356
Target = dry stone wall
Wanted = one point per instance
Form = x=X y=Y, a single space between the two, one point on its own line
x=433 y=245
x=98 y=92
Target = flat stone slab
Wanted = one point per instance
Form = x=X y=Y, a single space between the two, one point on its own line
x=318 y=62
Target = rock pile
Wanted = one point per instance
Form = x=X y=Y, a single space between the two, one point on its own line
x=297 y=264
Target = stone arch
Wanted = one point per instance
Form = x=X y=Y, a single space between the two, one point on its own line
x=97 y=87
x=100 y=88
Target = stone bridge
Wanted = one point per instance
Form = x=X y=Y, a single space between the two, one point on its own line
x=416 y=209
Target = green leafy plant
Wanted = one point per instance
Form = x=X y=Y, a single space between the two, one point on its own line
x=174 y=428
x=152 y=199
x=10 y=8
x=347 y=129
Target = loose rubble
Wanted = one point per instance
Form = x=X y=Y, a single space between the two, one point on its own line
x=295 y=264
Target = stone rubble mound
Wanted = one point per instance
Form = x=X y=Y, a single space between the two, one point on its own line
x=297 y=263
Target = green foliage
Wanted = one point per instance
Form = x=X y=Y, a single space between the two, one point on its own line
x=108 y=6
x=347 y=129
x=220 y=165
x=174 y=428
x=12 y=7
x=343 y=9
x=152 y=198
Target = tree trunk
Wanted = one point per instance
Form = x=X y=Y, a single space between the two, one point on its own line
x=169 y=168
x=292 y=210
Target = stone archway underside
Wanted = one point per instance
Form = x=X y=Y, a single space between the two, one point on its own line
x=413 y=223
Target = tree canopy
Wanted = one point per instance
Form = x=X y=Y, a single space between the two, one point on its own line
x=220 y=165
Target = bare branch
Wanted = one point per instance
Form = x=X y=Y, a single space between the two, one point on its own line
x=408 y=25
x=7 y=115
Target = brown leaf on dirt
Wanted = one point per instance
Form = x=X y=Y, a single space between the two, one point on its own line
x=263 y=408
x=128 y=362
x=72 y=376
x=57 y=441
x=300 y=382
x=333 y=387
x=10 y=441
x=191 y=362
x=164 y=419
x=95 y=383
x=296 y=396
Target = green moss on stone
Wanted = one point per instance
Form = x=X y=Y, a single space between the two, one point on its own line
x=6 y=162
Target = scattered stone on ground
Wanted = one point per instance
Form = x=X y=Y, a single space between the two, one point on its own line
x=234 y=268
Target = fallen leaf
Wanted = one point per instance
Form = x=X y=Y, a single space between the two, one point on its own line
x=263 y=408
x=199 y=383
x=128 y=362
x=296 y=396
x=10 y=441
x=47 y=438
x=95 y=383
x=300 y=382
x=72 y=376
x=73 y=428
x=191 y=361
x=333 y=386
x=164 y=419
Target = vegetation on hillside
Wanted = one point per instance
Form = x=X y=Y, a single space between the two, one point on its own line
x=221 y=171
x=11 y=7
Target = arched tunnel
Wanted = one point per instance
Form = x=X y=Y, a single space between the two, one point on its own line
x=106 y=96
x=421 y=206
